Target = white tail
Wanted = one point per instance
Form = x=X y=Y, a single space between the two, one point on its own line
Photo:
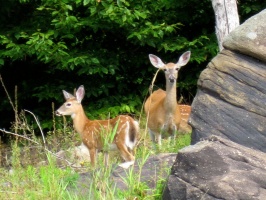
x=163 y=112
x=91 y=131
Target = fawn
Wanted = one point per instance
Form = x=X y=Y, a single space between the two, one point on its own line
x=91 y=131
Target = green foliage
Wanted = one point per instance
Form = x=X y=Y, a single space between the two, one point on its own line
x=102 y=44
x=15 y=155
x=46 y=182
x=248 y=8
x=108 y=137
x=101 y=186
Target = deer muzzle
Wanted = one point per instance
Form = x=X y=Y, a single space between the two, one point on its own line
x=58 y=113
x=172 y=78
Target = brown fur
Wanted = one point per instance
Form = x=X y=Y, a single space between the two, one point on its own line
x=91 y=130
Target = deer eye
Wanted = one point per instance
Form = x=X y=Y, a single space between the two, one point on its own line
x=68 y=104
x=165 y=70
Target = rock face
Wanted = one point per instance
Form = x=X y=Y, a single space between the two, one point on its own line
x=231 y=97
x=230 y=105
x=217 y=168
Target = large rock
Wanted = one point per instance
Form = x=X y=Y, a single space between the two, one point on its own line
x=217 y=168
x=249 y=38
x=231 y=97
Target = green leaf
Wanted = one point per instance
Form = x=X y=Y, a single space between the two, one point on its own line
x=93 y=10
x=40 y=8
x=69 y=7
x=50 y=42
x=2 y=62
x=10 y=45
x=124 y=18
x=140 y=14
x=248 y=10
x=71 y=19
x=17 y=35
x=119 y=3
x=86 y=2
x=55 y=13
x=110 y=9
x=104 y=70
x=169 y=29
x=95 y=61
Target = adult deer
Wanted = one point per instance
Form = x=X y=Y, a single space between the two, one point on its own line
x=162 y=110
x=91 y=131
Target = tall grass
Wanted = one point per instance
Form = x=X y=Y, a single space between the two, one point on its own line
x=32 y=170
x=31 y=182
x=48 y=181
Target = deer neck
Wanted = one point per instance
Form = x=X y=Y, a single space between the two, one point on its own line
x=79 y=120
x=170 y=103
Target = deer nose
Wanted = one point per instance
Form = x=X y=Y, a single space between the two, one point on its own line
x=172 y=78
x=58 y=113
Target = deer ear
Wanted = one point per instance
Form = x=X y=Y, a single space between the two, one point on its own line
x=156 y=61
x=184 y=58
x=67 y=95
x=80 y=93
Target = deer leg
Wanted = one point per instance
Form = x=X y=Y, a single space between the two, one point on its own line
x=126 y=155
x=93 y=156
x=159 y=139
x=174 y=132
x=156 y=138
x=152 y=135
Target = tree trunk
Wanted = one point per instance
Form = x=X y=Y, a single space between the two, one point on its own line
x=226 y=17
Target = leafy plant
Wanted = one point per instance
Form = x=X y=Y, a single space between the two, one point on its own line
x=100 y=44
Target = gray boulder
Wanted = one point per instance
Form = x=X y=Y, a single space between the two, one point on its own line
x=249 y=38
x=231 y=96
x=217 y=168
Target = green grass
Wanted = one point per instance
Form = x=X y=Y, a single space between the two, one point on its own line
x=45 y=180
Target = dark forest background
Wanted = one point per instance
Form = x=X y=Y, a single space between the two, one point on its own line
x=50 y=45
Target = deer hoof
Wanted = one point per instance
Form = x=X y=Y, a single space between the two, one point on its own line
x=126 y=165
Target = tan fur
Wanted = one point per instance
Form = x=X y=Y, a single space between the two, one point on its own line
x=185 y=111
x=164 y=114
x=155 y=108
x=91 y=130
